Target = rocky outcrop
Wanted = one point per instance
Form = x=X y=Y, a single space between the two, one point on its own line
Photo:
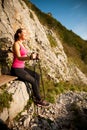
x=20 y=97
x=68 y=113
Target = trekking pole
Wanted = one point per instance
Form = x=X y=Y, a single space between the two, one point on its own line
x=41 y=77
x=34 y=64
x=37 y=60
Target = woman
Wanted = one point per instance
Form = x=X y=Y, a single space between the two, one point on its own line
x=18 y=66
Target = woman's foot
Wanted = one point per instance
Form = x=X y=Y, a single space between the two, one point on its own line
x=41 y=103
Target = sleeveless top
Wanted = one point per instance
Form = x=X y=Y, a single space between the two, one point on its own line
x=19 y=63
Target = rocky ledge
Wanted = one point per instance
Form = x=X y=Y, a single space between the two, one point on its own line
x=68 y=113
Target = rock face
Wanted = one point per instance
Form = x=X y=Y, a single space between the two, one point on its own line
x=20 y=98
x=15 y=14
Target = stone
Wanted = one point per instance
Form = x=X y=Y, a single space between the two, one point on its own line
x=20 y=98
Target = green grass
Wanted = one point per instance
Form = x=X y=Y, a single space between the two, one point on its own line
x=52 y=40
x=61 y=87
x=5 y=99
x=53 y=89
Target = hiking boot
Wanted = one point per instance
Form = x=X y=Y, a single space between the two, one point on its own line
x=41 y=103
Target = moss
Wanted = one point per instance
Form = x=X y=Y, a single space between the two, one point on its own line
x=52 y=40
x=30 y=101
x=31 y=16
x=18 y=116
x=5 y=99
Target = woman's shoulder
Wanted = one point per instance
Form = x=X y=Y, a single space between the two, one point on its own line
x=17 y=43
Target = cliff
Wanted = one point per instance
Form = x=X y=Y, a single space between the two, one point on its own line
x=15 y=14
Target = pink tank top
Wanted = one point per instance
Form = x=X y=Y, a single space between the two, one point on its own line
x=18 y=63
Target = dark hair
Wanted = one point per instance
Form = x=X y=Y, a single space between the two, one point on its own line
x=16 y=36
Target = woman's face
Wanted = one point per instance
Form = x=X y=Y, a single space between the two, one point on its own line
x=23 y=35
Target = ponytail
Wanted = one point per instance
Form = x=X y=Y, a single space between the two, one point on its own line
x=16 y=36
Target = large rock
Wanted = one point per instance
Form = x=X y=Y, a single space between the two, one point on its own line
x=20 y=97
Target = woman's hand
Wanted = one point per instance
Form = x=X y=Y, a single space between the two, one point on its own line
x=34 y=56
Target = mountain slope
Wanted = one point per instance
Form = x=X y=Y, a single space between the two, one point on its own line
x=69 y=39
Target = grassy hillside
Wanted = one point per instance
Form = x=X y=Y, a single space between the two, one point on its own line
x=74 y=46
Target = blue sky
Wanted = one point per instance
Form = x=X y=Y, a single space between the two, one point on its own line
x=70 y=13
